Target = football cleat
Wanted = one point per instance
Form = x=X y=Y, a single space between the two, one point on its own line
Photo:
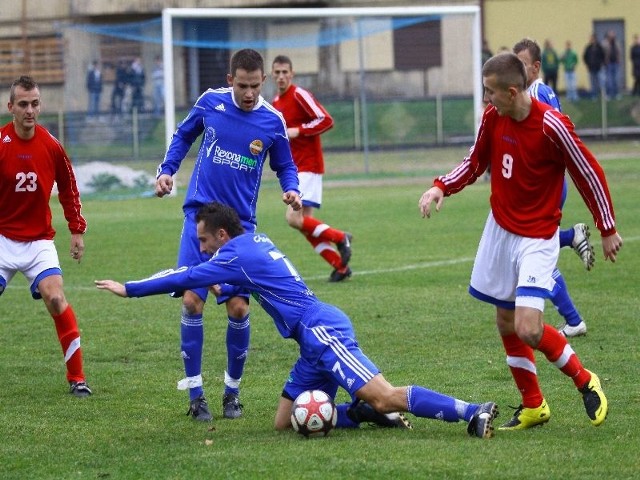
x=595 y=403
x=79 y=389
x=199 y=409
x=362 y=412
x=481 y=424
x=231 y=406
x=582 y=246
x=528 y=417
x=573 y=331
x=339 y=275
x=344 y=248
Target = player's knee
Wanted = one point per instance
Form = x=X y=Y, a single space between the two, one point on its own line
x=192 y=304
x=237 y=308
x=55 y=301
x=529 y=334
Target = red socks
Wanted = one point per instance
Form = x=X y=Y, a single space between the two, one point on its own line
x=321 y=237
x=522 y=364
x=69 y=336
x=558 y=351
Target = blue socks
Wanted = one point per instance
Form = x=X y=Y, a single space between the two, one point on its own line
x=566 y=237
x=562 y=301
x=238 y=333
x=192 y=340
x=427 y=403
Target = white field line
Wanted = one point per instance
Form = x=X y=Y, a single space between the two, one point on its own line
x=377 y=271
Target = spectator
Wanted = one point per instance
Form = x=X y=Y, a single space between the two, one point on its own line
x=635 y=61
x=550 y=64
x=119 y=87
x=136 y=80
x=593 y=57
x=157 y=77
x=569 y=60
x=94 y=88
x=612 y=57
x=486 y=51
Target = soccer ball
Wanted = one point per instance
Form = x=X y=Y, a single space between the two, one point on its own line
x=313 y=414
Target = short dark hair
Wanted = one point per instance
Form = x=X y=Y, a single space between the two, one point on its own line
x=216 y=215
x=25 y=82
x=246 y=59
x=531 y=46
x=283 y=59
x=508 y=69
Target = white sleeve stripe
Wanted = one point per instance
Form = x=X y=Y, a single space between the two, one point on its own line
x=583 y=165
x=309 y=100
x=311 y=103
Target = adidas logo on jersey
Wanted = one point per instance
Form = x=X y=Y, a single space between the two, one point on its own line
x=221 y=108
x=6 y=139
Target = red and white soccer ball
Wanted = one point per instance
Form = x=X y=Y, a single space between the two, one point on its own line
x=313 y=414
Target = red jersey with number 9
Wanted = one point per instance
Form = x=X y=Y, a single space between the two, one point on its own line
x=528 y=159
x=28 y=171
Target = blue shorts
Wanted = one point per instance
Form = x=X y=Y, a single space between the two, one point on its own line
x=189 y=254
x=329 y=355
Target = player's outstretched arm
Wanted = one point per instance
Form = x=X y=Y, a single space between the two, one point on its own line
x=434 y=194
x=164 y=185
x=611 y=245
x=292 y=198
x=112 y=286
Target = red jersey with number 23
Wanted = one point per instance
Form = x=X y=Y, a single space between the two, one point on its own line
x=528 y=161
x=28 y=170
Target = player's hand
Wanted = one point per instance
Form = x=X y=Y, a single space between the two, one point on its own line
x=112 y=286
x=77 y=246
x=611 y=245
x=164 y=185
x=293 y=132
x=293 y=199
x=434 y=194
x=216 y=290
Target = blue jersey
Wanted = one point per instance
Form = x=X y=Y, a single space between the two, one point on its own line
x=249 y=261
x=543 y=92
x=232 y=153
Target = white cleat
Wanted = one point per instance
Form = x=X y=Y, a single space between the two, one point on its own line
x=582 y=245
x=569 y=331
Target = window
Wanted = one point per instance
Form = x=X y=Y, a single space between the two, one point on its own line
x=40 y=57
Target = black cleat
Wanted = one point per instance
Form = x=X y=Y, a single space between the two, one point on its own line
x=344 y=248
x=481 y=424
x=79 y=389
x=199 y=410
x=362 y=412
x=339 y=275
x=231 y=406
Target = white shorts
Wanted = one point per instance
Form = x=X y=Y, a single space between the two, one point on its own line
x=511 y=270
x=36 y=260
x=311 y=188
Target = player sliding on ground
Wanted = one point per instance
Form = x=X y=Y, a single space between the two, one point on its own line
x=329 y=353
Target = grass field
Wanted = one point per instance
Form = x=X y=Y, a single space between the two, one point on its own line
x=408 y=301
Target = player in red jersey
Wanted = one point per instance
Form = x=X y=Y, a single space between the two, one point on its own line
x=528 y=145
x=31 y=160
x=306 y=119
